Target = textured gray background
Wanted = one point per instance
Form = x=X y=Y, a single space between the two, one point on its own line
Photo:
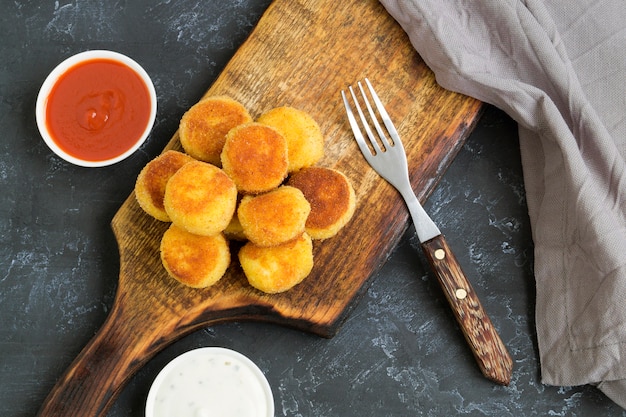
x=399 y=353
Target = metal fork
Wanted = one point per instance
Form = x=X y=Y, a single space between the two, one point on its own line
x=385 y=153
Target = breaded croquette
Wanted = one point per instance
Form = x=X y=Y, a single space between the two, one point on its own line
x=193 y=260
x=305 y=142
x=331 y=196
x=200 y=198
x=255 y=157
x=249 y=181
x=204 y=126
x=277 y=268
x=150 y=184
x=275 y=217
x=234 y=230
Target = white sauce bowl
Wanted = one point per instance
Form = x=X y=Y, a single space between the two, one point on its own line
x=210 y=381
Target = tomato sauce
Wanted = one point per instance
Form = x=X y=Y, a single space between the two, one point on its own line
x=98 y=109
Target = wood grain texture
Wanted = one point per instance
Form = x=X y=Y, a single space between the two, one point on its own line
x=302 y=53
x=491 y=355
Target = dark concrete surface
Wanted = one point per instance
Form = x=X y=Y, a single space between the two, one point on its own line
x=398 y=354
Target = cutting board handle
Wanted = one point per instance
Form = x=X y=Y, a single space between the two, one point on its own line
x=131 y=335
x=97 y=375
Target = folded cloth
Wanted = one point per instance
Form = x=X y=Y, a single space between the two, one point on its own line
x=557 y=67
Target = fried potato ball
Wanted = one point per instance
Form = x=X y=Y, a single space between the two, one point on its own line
x=275 y=217
x=234 y=230
x=200 y=198
x=194 y=260
x=204 y=126
x=276 y=269
x=151 y=182
x=255 y=157
x=331 y=196
x=305 y=142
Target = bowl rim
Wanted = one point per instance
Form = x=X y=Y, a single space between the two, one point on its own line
x=62 y=68
x=211 y=350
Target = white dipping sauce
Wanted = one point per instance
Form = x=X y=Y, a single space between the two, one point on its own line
x=209 y=382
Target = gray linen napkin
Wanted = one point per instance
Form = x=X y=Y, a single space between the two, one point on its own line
x=558 y=67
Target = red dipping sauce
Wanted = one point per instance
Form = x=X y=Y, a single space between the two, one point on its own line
x=98 y=110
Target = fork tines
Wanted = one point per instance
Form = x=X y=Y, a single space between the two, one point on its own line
x=385 y=139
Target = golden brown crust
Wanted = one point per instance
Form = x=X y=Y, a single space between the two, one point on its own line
x=331 y=196
x=234 y=230
x=305 y=142
x=276 y=269
x=200 y=198
x=255 y=157
x=151 y=182
x=230 y=156
x=275 y=217
x=193 y=260
x=204 y=126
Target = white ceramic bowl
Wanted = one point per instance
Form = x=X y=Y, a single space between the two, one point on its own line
x=62 y=68
x=210 y=381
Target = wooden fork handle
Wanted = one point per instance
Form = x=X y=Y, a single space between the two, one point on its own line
x=490 y=353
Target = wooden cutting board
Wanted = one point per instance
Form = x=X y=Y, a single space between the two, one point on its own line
x=302 y=54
